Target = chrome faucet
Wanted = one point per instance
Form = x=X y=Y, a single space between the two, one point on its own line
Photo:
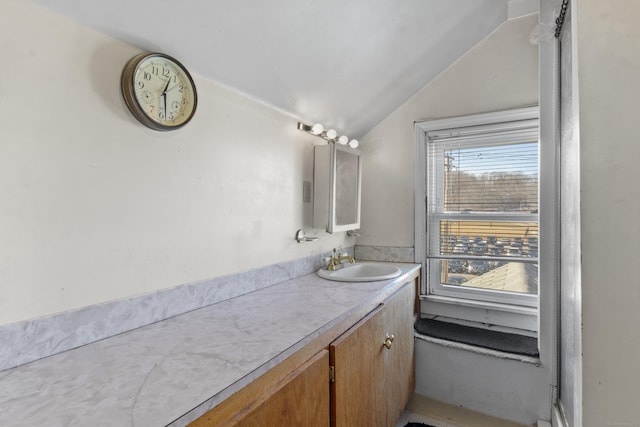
x=335 y=261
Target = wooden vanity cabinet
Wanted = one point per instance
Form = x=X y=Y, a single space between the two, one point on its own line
x=373 y=366
x=342 y=379
x=300 y=400
x=282 y=397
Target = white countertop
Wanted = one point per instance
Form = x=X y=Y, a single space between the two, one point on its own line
x=173 y=371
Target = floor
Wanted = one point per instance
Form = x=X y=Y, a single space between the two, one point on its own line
x=428 y=411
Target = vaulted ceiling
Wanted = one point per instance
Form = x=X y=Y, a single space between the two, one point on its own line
x=344 y=63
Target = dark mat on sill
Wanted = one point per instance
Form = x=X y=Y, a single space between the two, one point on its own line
x=418 y=425
x=501 y=341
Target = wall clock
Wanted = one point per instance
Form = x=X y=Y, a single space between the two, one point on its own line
x=159 y=91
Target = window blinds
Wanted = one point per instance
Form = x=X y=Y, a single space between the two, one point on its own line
x=483 y=191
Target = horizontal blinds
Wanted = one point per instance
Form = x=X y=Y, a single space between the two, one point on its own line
x=484 y=168
x=502 y=178
x=487 y=238
x=514 y=131
x=483 y=191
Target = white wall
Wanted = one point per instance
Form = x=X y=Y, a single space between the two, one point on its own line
x=508 y=389
x=95 y=207
x=608 y=42
x=500 y=73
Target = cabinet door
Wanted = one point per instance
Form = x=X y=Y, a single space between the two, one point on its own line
x=357 y=395
x=373 y=383
x=399 y=362
x=301 y=399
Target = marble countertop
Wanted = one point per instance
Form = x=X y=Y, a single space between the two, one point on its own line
x=173 y=371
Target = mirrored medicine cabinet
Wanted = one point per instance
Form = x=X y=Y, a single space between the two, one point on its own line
x=337 y=176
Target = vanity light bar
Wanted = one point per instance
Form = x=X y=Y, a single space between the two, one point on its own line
x=329 y=135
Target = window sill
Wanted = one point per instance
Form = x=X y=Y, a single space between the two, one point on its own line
x=508 y=318
x=480 y=350
x=479 y=337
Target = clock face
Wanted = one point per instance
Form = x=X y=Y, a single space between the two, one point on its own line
x=159 y=91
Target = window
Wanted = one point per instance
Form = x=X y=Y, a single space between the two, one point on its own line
x=480 y=189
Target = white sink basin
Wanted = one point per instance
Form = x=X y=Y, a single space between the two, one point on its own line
x=361 y=272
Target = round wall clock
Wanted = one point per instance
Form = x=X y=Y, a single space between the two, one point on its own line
x=159 y=91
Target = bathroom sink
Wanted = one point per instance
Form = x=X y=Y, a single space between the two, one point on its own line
x=361 y=272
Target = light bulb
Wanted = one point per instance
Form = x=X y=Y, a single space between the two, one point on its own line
x=354 y=143
x=316 y=129
x=331 y=134
x=343 y=139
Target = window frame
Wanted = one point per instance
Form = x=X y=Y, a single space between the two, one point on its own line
x=491 y=135
x=520 y=313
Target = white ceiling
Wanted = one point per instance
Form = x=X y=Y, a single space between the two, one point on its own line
x=344 y=63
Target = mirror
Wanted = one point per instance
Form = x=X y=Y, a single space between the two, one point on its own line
x=337 y=183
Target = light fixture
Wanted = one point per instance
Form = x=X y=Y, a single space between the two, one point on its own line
x=330 y=135
x=317 y=129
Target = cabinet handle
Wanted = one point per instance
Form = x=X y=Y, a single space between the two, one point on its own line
x=389 y=340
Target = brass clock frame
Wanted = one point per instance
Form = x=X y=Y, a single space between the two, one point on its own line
x=127 y=83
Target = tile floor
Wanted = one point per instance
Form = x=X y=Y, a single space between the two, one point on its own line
x=424 y=410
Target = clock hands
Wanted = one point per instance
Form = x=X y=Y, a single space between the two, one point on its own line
x=172 y=87
x=164 y=100
x=164 y=91
x=163 y=95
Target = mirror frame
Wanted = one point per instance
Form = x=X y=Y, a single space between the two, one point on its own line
x=325 y=182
